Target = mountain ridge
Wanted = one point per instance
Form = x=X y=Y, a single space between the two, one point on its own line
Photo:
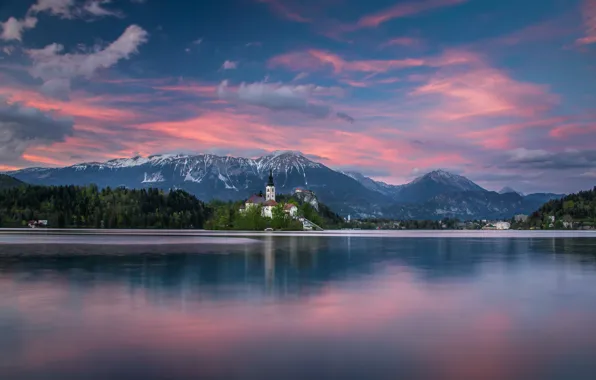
x=210 y=176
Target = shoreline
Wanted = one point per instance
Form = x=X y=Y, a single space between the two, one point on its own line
x=329 y=233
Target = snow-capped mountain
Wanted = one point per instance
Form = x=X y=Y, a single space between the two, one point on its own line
x=210 y=176
x=434 y=195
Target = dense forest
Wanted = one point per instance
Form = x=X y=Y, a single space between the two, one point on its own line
x=573 y=211
x=87 y=206
x=91 y=207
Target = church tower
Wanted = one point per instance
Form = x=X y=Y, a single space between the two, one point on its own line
x=270 y=189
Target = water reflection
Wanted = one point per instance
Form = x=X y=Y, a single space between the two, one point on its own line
x=295 y=308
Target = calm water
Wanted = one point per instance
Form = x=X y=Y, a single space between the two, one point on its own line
x=299 y=308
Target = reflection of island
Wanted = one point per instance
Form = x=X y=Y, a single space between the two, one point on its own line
x=283 y=266
x=293 y=308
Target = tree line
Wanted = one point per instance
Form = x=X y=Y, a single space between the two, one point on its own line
x=90 y=207
x=572 y=211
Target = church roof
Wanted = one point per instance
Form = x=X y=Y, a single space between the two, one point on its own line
x=256 y=199
x=270 y=203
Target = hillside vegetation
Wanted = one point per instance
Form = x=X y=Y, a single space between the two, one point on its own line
x=572 y=211
x=7 y=182
x=226 y=216
x=87 y=206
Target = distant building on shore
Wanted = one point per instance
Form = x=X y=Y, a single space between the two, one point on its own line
x=497 y=226
x=37 y=223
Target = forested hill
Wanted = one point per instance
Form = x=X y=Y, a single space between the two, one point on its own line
x=7 y=182
x=579 y=209
x=87 y=206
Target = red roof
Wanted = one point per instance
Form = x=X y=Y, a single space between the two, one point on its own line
x=255 y=199
x=270 y=203
x=289 y=206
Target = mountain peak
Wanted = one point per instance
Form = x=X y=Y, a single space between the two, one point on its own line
x=507 y=190
x=453 y=181
x=283 y=160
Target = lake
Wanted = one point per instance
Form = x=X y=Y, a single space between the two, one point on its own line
x=378 y=306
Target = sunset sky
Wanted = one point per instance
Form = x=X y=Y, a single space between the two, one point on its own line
x=501 y=91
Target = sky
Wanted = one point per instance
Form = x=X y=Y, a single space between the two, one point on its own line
x=501 y=91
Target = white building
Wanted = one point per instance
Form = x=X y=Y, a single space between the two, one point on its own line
x=267 y=203
x=497 y=226
x=291 y=209
x=503 y=225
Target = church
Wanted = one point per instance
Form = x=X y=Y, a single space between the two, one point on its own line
x=267 y=203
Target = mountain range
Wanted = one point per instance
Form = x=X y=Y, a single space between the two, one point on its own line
x=435 y=195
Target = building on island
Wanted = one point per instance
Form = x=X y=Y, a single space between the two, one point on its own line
x=497 y=226
x=291 y=209
x=267 y=203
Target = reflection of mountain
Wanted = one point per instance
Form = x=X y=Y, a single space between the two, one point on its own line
x=302 y=308
x=284 y=265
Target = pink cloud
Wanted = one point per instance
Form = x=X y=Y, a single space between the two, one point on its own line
x=286 y=10
x=402 y=10
x=473 y=88
x=566 y=130
x=319 y=59
x=503 y=136
x=81 y=107
x=541 y=31
x=589 y=14
x=401 y=41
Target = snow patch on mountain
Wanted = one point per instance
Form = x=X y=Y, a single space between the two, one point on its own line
x=226 y=182
x=153 y=178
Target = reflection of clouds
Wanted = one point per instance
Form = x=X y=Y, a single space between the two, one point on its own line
x=438 y=309
x=446 y=326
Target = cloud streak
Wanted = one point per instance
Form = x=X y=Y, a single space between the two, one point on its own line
x=313 y=60
x=589 y=14
x=543 y=159
x=284 y=10
x=402 y=10
x=276 y=97
x=57 y=70
x=469 y=87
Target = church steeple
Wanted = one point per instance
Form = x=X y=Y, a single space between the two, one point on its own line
x=270 y=189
